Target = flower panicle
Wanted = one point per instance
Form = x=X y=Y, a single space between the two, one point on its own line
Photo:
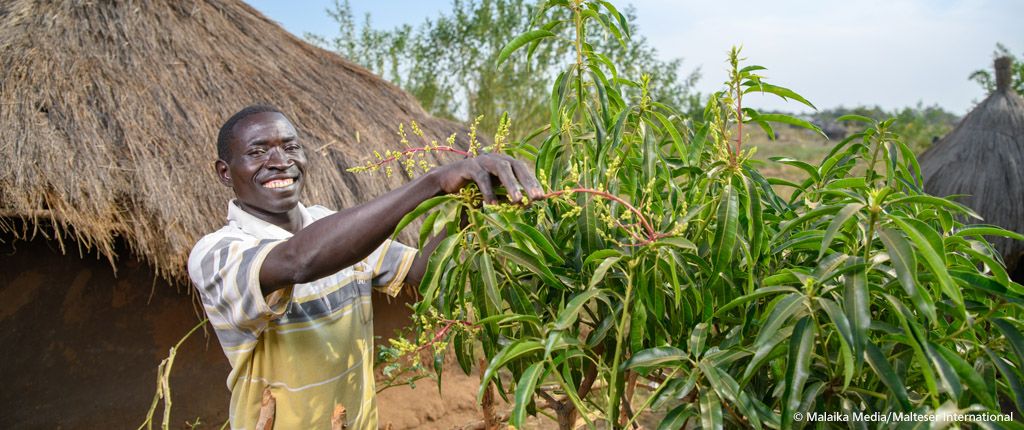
x=501 y=136
x=474 y=144
x=407 y=158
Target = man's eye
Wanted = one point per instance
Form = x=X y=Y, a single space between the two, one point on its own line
x=292 y=147
x=257 y=152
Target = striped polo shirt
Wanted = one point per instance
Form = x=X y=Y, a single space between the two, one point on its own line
x=311 y=344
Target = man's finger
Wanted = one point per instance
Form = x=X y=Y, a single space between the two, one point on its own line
x=527 y=179
x=483 y=182
x=503 y=170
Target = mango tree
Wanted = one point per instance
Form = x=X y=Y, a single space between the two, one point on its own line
x=663 y=259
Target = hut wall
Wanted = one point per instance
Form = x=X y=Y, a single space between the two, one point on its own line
x=81 y=345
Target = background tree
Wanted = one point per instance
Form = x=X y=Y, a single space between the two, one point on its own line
x=447 y=62
x=987 y=80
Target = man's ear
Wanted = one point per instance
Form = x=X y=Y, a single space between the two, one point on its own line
x=222 y=172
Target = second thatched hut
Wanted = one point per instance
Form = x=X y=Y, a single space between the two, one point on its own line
x=982 y=161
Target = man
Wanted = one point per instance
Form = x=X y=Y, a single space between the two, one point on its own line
x=287 y=287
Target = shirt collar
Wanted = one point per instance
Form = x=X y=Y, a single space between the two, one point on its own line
x=259 y=228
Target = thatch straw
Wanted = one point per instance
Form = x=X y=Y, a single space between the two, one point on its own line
x=983 y=158
x=110 y=111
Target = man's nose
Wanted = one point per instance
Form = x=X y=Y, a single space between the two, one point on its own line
x=278 y=159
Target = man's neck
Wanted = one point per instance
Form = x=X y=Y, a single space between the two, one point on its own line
x=290 y=221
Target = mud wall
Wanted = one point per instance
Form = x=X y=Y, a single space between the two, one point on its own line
x=81 y=345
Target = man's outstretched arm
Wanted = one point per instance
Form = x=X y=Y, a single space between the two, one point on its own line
x=344 y=238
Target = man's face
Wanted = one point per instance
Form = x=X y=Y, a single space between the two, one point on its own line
x=267 y=164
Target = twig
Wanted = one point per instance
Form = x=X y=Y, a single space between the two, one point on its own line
x=443 y=148
x=491 y=420
x=652 y=235
x=268 y=411
x=442 y=333
x=338 y=418
x=163 y=383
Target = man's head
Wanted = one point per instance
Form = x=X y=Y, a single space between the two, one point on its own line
x=261 y=159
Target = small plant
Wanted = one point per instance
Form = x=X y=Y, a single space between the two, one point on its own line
x=163 y=387
x=663 y=259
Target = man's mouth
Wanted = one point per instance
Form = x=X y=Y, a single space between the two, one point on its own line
x=279 y=183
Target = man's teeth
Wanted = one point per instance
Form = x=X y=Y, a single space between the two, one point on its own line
x=279 y=183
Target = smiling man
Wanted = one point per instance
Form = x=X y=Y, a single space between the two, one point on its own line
x=287 y=287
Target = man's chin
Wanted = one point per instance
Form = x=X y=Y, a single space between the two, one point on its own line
x=279 y=206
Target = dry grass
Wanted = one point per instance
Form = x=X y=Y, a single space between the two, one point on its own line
x=795 y=143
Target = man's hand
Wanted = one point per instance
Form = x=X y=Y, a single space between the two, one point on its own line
x=515 y=175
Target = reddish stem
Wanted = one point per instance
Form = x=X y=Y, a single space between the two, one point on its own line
x=443 y=332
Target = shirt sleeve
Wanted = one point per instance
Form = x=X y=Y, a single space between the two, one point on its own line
x=390 y=263
x=226 y=271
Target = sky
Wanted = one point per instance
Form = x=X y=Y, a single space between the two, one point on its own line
x=891 y=53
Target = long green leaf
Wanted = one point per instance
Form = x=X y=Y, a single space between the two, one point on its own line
x=857 y=304
x=975 y=383
x=790 y=120
x=490 y=280
x=540 y=241
x=755 y=220
x=432 y=277
x=785 y=93
x=653 y=357
x=758 y=293
x=524 y=393
x=423 y=208
x=1013 y=336
x=519 y=41
x=697 y=338
x=675 y=418
x=935 y=201
x=530 y=262
x=725 y=233
x=601 y=271
x=1012 y=378
x=510 y=352
x=811 y=170
x=880 y=364
x=904 y=260
x=978 y=230
x=841 y=217
x=730 y=391
x=846 y=340
x=935 y=262
x=798 y=368
x=710 y=410
x=567 y=316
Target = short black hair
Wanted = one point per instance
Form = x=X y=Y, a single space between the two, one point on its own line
x=227 y=131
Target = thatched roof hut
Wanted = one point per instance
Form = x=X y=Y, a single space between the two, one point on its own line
x=983 y=159
x=109 y=112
